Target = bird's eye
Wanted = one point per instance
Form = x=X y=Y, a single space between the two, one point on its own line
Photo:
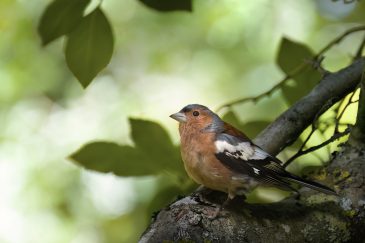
x=196 y=113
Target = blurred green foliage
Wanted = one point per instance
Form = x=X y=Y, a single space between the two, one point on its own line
x=251 y=128
x=59 y=18
x=153 y=154
x=221 y=51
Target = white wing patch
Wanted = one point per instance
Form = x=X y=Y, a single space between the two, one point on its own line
x=244 y=150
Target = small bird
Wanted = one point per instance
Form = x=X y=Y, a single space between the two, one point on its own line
x=220 y=157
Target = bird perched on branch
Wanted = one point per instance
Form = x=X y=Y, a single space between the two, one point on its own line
x=222 y=158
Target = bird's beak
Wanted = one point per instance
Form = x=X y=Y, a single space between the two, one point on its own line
x=179 y=116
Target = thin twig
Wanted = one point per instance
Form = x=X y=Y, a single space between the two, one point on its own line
x=295 y=71
x=340 y=114
x=336 y=133
x=311 y=149
x=326 y=106
x=339 y=39
x=257 y=97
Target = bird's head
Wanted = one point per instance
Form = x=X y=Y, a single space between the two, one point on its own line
x=198 y=117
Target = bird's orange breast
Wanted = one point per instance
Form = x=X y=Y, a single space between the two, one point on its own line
x=200 y=162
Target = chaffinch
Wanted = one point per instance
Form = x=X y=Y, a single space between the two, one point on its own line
x=220 y=157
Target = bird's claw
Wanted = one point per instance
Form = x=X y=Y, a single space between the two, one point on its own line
x=217 y=212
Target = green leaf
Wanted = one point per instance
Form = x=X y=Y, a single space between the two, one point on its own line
x=111 y=157
x=145 y=134
x=291 y=55
x=169 y=5
x=154 y=153
x=151 y=138
x=89 y=47
x=302 y=84
x=60 y=18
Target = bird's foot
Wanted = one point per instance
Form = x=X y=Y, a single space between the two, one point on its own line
x=219 y=211
x=215 y=213
x=203 y=195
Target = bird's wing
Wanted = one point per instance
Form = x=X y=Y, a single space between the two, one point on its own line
x=234 y=136
x=243 y=157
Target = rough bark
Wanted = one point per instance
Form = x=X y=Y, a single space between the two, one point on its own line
x=314 y=217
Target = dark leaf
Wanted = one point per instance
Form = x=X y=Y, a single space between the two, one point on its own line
x=153 y=140
x=154 y=153
x=60 y=18
x=89 y=47
x=302 y=84
x=291 y=56
x=145 y=134
x=111 y=157
x=169 y=5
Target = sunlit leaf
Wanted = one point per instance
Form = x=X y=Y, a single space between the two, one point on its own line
x=111 y=157
x=291 y=55
x=169 y=5
x=60 y=18
x=89 y=47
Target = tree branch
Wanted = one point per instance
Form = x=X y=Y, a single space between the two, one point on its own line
x=288 y=126
x=358 y=133
x=315 y=218
x=342 y=112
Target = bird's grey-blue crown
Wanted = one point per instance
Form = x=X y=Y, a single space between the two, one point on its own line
x=194 y=107
x=217 y=124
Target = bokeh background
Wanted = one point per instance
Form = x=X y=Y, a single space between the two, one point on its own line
x=223 y=50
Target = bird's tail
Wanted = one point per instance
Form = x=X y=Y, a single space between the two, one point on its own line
x=310 y=184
